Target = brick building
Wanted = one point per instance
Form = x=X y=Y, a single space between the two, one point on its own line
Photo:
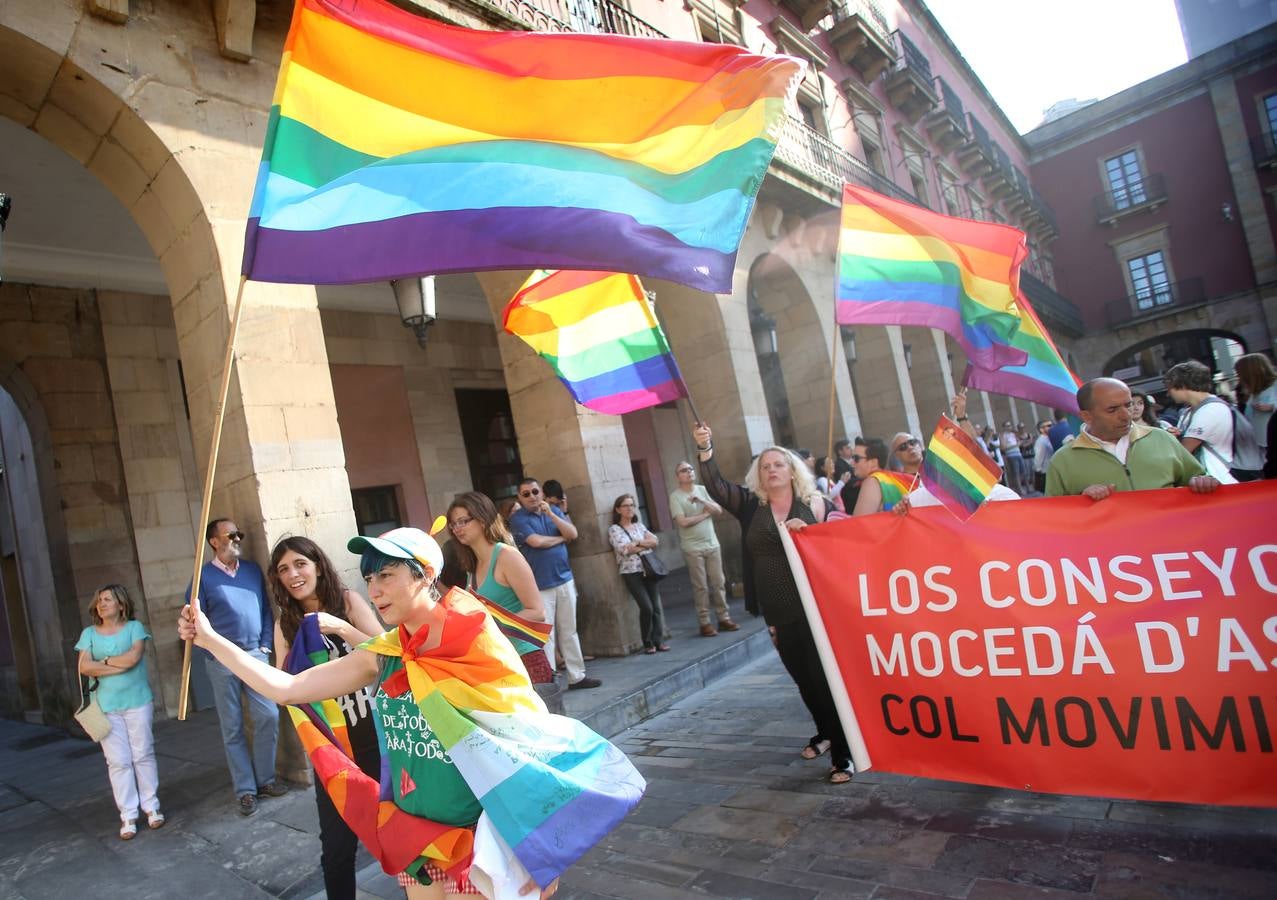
x=132 y=132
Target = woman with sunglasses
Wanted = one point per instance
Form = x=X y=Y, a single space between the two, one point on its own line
x=779 y=492
x=495 y=570
x=303 y=581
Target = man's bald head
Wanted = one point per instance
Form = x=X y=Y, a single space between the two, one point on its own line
x=1086 y=393
x=1105 y=407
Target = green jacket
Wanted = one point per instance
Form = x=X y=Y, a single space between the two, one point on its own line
x=1155 y=460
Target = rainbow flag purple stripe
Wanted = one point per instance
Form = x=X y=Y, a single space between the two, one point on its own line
x=598 y=333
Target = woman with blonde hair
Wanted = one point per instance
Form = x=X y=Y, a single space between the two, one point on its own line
x=779 y=492
x=111 y=651
x=1256 y=374
x=496 y=571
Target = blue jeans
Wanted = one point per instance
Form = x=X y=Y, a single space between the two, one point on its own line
x=249 y=771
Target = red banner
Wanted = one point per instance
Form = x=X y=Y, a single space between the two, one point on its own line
x=1125 y=648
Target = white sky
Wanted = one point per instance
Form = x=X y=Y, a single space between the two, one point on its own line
x=1032 y=53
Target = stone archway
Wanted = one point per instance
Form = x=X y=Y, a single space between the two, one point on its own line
x=1141 y=364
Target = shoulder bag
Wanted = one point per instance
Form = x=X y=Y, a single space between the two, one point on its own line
x=653 y=567
x=90 y=716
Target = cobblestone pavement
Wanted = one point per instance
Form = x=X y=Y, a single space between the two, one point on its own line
x=731 y=811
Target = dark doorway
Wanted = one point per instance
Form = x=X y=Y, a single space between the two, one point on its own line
x=487 y=427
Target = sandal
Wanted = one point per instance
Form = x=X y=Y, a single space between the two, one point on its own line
x=155 y=819
x=817 y=746
x=649 y=649
x=663 y=648
x=841 y=772
x=128 y=830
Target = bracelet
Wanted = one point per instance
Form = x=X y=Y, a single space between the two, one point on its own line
x=706 y=449
x=964 y=418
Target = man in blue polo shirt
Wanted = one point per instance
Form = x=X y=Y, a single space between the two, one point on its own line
x=233 y=596
x=543 y=533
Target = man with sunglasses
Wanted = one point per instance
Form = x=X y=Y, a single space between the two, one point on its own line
x=233 y=596
x=907 y=451
x=542 y=533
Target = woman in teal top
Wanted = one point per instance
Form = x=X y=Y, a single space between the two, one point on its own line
x=484 y=545
x=111 y=651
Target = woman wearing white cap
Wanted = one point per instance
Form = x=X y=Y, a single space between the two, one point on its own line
x=400 y=568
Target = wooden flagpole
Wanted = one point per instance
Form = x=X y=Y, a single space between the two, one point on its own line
x=184 y=694
x=833 y=372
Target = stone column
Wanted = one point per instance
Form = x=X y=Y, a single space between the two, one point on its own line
x=587 y=452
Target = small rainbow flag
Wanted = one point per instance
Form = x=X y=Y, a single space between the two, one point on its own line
x=957 y=470
x=1044 y=378
x=399 y=146
x=598 y=333
x=900 y=264
x=512 y=625
x=894 y=485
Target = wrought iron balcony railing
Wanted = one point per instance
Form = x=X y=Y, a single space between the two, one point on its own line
x=868 y=10
x=910 y=57
x=1154 y=300
x=1148 y=192
x=597 y=16
x=1057 y=311
x=820 y=159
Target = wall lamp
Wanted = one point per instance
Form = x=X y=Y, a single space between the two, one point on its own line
x=416 y=300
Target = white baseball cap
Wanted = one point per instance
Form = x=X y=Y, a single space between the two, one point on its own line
x=403 y=543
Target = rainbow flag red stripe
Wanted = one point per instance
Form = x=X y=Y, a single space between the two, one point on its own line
x=900 y=264
x=599 y=334
x=400 y=146
x=957 y=470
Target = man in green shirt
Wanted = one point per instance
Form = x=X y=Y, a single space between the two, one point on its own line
x=693 y=511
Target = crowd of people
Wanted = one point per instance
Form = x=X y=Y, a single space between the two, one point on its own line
x=516 y=556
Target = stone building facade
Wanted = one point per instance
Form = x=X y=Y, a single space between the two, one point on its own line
x=133 y=130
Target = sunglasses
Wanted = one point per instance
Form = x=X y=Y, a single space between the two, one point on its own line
x=855 y=458
x=903 y=445
x=236 y=536
x=535 y=492
x=458 y=524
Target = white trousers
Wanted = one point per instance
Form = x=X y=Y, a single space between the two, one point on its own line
x=560 y=612
x=130 y=761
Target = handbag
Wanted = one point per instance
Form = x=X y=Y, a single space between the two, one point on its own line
x=90 y=716
x=653 y=567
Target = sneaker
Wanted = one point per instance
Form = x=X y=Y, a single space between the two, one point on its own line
x=274 y=789
x=247 y=804
x=727 y=625
x=584 y=683
x=708 y=630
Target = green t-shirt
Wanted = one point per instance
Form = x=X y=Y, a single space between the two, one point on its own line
x=425 y=779
x=700 y=536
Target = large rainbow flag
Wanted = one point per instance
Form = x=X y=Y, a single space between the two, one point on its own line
x=900 y=264
x=598 y=333
x=1044 y=378
x=398 y=840
x=399 y=146
x=957 y=470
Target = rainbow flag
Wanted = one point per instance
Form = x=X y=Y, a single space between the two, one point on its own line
x=515 y=626
x=550 y=787
x=957 y=470
x=1044 y=378
x=900 y=264
x=398 y=146
x=401 y=842
x=598 y=333
x=894 y=485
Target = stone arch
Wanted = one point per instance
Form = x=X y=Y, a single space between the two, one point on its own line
x=789 y=328
x=1154 y=355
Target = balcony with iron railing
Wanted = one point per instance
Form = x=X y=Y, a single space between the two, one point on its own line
x=1143 y=195
x=947 y=123
x=1263 y=147
x=861 y=37
x=999 y=181
x=1021 y=200
x=909 y=80
x=809 y=12
x=1057 y=312
x=976 y=155
x=1155 y=300
x=592 y=16
x=817 y=158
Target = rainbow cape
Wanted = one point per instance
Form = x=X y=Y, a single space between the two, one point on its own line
x=398 y=146
x=550 y=787
x=598 y=333
x=1044 y=378
x=957 y=470
x=894 y=485
x=900 y=264
x=396 y=839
